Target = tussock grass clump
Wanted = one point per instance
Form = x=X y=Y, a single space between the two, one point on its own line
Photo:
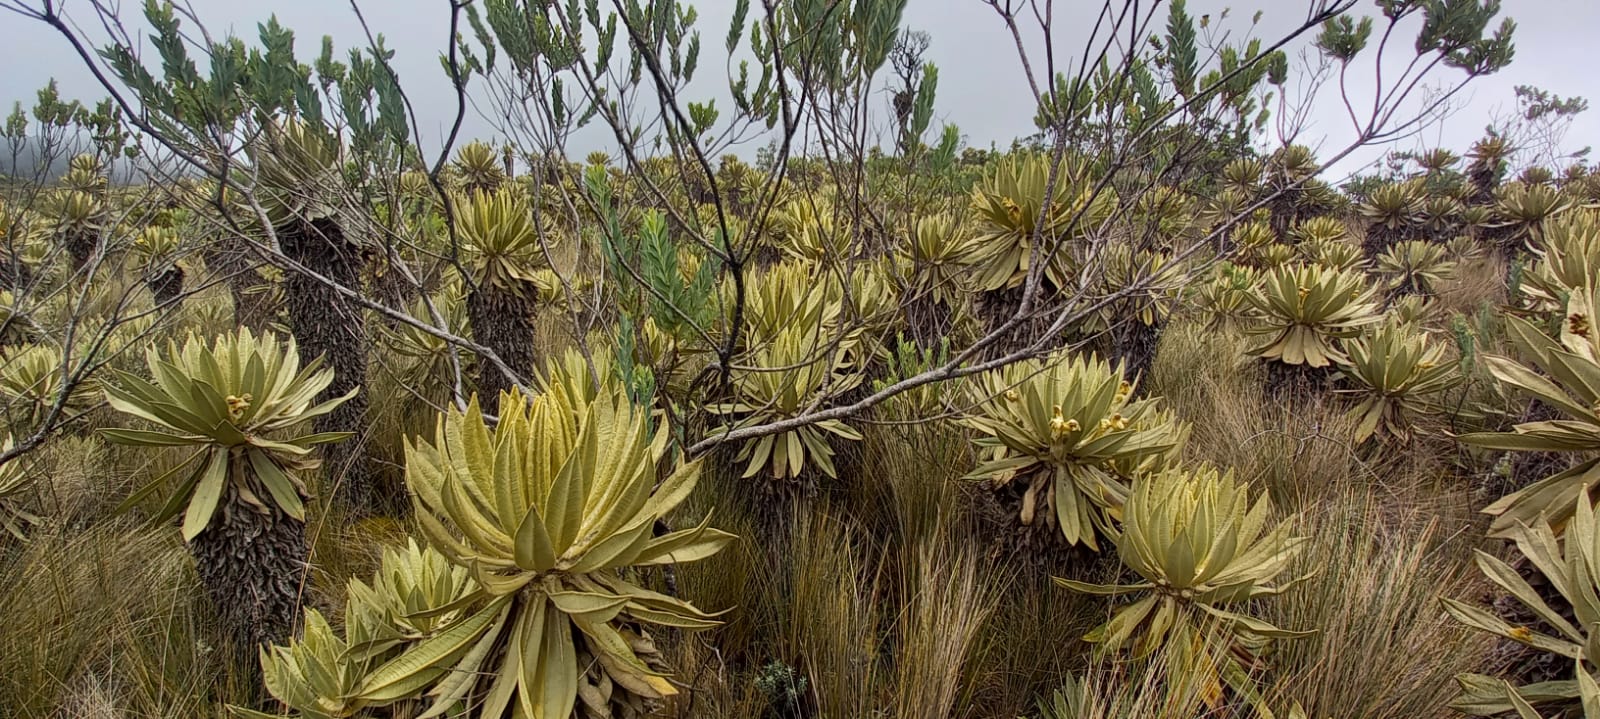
x=879 y=598
x=115 y=622
x=949 y=602
x=1478 y=282
x=1109 y=689
x=1384 y=649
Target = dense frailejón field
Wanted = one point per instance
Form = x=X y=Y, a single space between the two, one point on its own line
x=308 y=413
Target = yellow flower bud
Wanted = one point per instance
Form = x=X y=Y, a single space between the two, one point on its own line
x=238 y=405
x=1013 y=211
x=1058 y=424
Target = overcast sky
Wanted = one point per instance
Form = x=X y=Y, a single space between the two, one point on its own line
x=981 y=89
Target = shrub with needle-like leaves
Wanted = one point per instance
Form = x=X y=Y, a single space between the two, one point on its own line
x=1565 y=375
x=1054 y=429
x=1204 y=550
x=552 y=511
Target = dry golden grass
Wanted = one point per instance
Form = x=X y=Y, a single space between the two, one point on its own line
x=107 y=617
x=875 y=597
x=948 y=605
x=1384 y=648
x=1391 y=530
x=1478 y=283
x=1116 y=689
x=835 y=605
x=1300 y=449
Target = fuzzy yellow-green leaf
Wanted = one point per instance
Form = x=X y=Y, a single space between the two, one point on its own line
x=238 y=400
x=1200 y=545
x=574 y=471
x=1070 y=429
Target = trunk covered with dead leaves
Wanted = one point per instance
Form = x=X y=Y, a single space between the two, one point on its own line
x=503 y=321
x=1134 y=343
x=167 y=286
x=251 y=559
x=998 y=307
x=327 y=324
x=81 y=246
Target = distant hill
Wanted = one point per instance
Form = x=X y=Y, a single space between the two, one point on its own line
x=27 y=163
